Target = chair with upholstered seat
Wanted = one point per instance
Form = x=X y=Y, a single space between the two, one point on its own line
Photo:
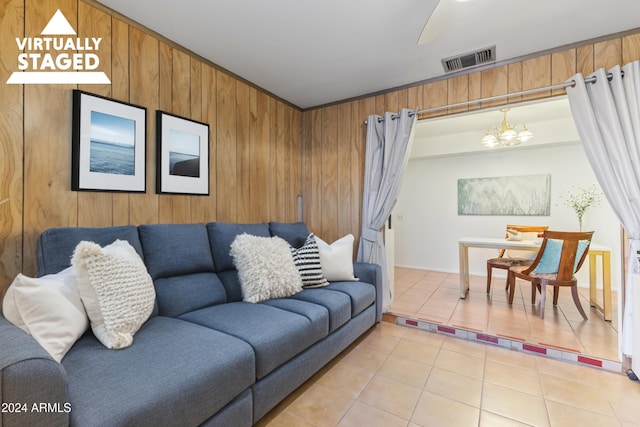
x=561 y=255
x=513 y=258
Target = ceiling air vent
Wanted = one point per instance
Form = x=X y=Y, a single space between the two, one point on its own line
x=470 y=59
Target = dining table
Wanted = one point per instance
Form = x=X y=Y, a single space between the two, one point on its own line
x=595 y=251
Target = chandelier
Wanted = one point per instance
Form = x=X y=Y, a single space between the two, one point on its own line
x=506 y=135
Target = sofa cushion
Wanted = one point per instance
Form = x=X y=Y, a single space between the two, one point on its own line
x=362 y=294
x=337 y=303
x=181 y=294
x=116 y=290
x=294 y=233
x=56 y=245
x=176 y=373
x=222 y=234
x=276 y=335
x=176 y=249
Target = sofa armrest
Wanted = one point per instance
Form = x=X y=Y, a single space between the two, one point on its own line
x=371 y=273
x=33 y=388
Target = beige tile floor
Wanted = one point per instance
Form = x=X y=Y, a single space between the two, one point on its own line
x=399 y=376
x=435 y=296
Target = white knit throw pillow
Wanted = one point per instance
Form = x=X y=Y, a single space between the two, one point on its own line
x=116 y=290
x=265 y=267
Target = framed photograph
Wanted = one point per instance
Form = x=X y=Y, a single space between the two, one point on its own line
x=183 y=155
x=109 y=138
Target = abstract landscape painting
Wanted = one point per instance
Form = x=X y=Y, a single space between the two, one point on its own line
x=527 y=195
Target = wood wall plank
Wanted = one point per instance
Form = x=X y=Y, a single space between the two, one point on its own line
x=144 y=83
x=536 y=73
x=261 y=173
x=630 y=48
x=47 y=147
x=329 y=153
x=458 y=91
x=226 y=162
x=11 y=148
x=585 y=59
x=243 y=151
x=210 y=116
x=344 y=162
x=434 y=95
x=120 y=91
x=95 y=209
x=515 y=81
x=564 y=65
x=608 y=53
x=494 y=81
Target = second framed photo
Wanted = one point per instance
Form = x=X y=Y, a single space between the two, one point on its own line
x=182 y=155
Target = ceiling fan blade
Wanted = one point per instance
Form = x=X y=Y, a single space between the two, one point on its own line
x=437 y=21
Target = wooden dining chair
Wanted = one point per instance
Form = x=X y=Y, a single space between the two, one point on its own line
x=561 y=255
x=512 y=257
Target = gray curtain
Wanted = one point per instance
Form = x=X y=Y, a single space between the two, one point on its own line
x=607 y=116
x=387 y=153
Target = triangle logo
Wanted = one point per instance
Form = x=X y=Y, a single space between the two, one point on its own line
x=58 y=25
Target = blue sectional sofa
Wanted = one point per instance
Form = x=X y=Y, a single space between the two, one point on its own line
x=204 y=357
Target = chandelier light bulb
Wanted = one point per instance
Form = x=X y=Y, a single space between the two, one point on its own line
x=506 y=135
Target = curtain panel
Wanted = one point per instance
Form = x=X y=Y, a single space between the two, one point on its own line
x=607 y=116
x=388 y=147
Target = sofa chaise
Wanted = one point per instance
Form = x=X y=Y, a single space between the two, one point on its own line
x=204 y=357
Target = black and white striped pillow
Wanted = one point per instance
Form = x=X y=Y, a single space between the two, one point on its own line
x=307 y=260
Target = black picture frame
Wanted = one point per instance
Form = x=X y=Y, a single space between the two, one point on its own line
x=182 y=153
x=108 y=144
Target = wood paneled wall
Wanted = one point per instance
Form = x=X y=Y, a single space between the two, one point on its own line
x=255 y=142
x=334 y=136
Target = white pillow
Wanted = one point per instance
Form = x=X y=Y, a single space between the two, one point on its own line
x=265 y=267
x=116 y=290
x=337 y=259
x=49 y=308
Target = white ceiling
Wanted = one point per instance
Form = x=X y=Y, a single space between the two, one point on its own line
x=312 y=53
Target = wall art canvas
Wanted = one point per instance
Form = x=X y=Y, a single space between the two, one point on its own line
x=183 y=155
x=108 y=144
x=526 y=195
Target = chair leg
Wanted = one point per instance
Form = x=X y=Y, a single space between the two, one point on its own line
x=543 y=293
x=533 y=293
x=556 y=291
x=489 y=269
x=511 y=283
x=576 y=301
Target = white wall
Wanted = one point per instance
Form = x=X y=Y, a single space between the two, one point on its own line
x=427 y=224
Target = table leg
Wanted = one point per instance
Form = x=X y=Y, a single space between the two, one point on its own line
x=606 y=284
x=592 y=280
x=464 y=269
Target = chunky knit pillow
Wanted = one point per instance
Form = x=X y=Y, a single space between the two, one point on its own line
x=265 y=267
x=116 y=290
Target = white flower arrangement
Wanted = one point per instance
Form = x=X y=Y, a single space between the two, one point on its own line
x=582 y=200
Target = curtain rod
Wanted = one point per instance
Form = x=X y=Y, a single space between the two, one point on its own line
x=563 y=85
